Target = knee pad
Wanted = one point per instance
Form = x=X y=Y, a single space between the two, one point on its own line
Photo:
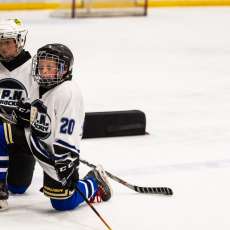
x=17 y=189
x=20 y=171
x=86 y=188
x=66 y=204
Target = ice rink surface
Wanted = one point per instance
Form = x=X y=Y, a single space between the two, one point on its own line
x=174 y=66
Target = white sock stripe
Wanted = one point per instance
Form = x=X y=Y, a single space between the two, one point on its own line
x=4 y=158
x=86 y=188
x=92 y=186
x=3 y=169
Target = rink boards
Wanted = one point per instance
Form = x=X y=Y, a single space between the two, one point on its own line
x=36 y=5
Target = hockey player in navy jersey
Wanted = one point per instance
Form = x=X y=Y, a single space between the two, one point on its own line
x=56 y=130
x=16 y=85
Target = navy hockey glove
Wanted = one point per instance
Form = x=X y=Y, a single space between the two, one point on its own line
x=22 y=114
x=66 y=165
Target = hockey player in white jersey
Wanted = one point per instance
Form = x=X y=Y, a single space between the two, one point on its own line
x=16 y=85
x=56 y=131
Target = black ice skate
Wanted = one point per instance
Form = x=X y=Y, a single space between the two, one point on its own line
x=3 y=196
x=104 y=192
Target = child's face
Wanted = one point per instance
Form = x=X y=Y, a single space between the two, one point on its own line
x=8 y=48
x=47 y=68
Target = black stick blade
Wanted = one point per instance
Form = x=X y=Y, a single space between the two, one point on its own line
x=154 y=190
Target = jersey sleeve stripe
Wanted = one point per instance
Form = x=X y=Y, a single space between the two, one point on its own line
x=66 y=145
x=39 y=148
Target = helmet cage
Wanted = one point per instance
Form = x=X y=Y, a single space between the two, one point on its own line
x=49 y=80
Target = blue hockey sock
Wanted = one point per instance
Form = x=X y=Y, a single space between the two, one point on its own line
x=17 y=189
x=4 y=155
x=88 y=187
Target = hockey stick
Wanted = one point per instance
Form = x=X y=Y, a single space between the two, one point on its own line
x=6 y=117
x=149 y=190
x=91 y=206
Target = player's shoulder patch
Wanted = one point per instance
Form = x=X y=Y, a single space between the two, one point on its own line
x=11 y=90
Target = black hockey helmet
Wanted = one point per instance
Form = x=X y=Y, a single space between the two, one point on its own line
x=59 y=54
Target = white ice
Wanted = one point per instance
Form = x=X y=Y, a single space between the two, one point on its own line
x=174 y=66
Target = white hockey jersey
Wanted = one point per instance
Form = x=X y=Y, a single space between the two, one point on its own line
x=66 y=113
x=63 y=124
x=16 y=84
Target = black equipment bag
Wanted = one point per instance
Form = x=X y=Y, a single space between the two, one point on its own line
x=114 y=123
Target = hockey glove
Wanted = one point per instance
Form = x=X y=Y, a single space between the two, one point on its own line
x=66 y=165
x=22 y=114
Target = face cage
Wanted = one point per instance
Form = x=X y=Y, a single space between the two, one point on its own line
x=48 y=82
x=20 y=39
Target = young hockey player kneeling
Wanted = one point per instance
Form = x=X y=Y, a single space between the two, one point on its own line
x=56 y=131
x=16 y=84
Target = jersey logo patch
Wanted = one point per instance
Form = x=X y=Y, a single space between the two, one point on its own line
x=11 y=91
x=40 y=120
